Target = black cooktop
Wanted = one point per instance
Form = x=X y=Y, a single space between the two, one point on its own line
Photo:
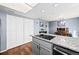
x=48 y=37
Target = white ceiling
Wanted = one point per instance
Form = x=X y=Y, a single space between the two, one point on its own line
x=45 y=11
x=54 y=11
x=21 y=7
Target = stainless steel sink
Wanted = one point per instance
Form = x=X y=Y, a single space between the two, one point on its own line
x=48 y=37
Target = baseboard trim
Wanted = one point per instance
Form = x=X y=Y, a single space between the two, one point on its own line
x=3 y=51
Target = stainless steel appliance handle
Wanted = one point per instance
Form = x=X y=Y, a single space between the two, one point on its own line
x=60 y=51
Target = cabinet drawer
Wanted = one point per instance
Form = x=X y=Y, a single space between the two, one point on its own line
x=44 y=51
x=35 y=40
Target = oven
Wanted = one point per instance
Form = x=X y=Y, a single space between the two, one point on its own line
x=59 y=50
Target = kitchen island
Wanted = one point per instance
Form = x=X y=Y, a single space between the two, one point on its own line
x=63 y=44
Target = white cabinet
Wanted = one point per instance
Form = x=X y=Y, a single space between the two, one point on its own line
x=11 y=32
x=28 y=30
x=19 y=31
x=14 y=31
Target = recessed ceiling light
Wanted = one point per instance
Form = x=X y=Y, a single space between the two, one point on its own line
x=33 y=4
x=60 y=16
x=55 y=5
x=43 y=11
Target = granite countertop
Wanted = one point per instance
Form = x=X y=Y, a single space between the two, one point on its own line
x=68 y=42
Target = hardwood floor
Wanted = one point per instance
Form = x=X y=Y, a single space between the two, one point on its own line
x=25 y=49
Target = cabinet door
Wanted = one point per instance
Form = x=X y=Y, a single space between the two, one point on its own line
x=44 y=51
x=14 y=31
x=28 y=30
x=35 y=48
x=19 y=31
x=11 y=31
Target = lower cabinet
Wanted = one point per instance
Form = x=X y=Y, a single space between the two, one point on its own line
x=44 y=51
x=40 y=49
x=35 y=48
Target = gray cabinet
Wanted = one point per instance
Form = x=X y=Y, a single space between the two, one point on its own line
x=40 y=47
x=44 y=51
x=35 y=48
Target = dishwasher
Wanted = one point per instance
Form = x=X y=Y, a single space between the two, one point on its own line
x=59 y=50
